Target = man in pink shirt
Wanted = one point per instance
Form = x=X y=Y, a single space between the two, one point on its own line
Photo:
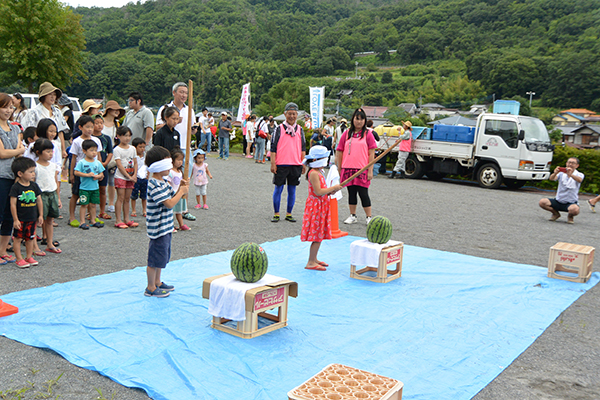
x=288 y=148
x=403 y=150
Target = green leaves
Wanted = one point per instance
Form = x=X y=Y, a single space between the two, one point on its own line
x=40 y=40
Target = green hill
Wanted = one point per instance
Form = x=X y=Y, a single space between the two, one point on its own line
x=452 y=52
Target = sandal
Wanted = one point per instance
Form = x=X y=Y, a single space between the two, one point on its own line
x=323 y=263
x=53 y=250
x=8 y=258
x=134 y=214
x=132 y=224
x=317 y=268
x=39 y=253
x=121 y=225
x=104 y=216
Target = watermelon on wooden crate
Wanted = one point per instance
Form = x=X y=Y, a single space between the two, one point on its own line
x=249 y=262
x=379 y=230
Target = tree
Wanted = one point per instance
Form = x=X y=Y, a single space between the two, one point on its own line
x=40 y=40
x=386 y=77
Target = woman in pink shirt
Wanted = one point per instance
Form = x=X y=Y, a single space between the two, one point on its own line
x=355 y=150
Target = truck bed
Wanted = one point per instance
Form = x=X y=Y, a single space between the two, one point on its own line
x=443 y=149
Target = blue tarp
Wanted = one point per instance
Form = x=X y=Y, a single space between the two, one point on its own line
x=446 y=328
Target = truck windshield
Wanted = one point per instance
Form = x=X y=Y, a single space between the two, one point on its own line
x=535 y=130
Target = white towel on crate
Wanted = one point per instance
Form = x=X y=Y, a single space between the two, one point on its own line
x=365 y=253
x=227 y=296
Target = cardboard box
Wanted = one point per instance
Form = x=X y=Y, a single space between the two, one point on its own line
x=257 y=302
x=575 y=259
x=389 y=256
x=340 y=382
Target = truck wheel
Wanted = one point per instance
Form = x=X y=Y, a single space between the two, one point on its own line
x=489 y=176
x=414 y=169
x=514 y=183
x=435 y=176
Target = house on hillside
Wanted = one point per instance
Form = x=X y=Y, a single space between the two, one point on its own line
x=575 y=116
x=477 y=109
x=585 y=136
x=410 y=108
x=434 y=110
x=374 y=111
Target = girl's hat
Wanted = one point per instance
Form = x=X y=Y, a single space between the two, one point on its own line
x=113 y=105
x=198 y=151
x=316 y=152
x=46 y=88
x=407 y=123
x=90 y=104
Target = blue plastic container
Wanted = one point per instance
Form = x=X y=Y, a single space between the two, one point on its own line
x=453 y=133
x=507 y=107
x=421 y=132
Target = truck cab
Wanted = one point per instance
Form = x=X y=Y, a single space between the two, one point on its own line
x=511 y=148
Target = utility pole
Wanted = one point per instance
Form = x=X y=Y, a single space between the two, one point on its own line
x=531 y=94
x=356 y=70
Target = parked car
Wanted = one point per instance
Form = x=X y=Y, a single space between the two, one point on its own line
x=32 y=100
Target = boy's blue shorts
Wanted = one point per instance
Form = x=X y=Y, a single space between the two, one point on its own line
x=159 y=251
x=140 y=189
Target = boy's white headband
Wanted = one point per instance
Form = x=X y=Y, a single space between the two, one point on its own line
x=163 y=165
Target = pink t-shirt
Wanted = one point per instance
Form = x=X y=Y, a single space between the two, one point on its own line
x=199 y=174
x=356 y=150
x=289 y=147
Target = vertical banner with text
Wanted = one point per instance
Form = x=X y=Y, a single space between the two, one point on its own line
x=244 y=108
x=317 y=95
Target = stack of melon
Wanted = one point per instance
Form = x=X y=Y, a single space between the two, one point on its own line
x=379 y=230
x=249 y=263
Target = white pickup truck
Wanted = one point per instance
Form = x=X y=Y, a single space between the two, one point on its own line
x=501 y=148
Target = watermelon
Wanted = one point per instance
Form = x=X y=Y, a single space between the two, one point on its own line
x=379 y=230
x=249 y=263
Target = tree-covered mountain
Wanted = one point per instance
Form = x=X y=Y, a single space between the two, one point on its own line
x=447 y=50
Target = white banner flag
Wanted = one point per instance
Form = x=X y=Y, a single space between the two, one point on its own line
x=317 y=96
x=244 y=108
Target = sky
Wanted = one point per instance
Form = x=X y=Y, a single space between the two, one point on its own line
x=98 y=3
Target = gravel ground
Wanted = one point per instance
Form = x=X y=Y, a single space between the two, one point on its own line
x=563 y=363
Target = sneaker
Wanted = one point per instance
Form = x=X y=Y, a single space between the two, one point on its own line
x=110 y=209
x=22 y=264
x=189 y=216
x=351 y=220
x=368 y=220
x=185 y=228
x=275 y=218
x=205 y=207
x=85 y=227
x=197 y=206
x=592 y=206
x=168 y=288
x=31 y=261
x=157 y=293
x=290 y=218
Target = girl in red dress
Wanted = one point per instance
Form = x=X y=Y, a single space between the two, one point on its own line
x=316 y=221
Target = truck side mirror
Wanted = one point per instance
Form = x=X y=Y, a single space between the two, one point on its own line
x=521 y=135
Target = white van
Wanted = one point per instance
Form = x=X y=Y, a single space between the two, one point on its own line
x=31 y=100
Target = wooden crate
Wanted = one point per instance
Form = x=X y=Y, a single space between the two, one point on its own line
x=258 y=301
x=391 y=255
x=340 y=382
x=572 y=258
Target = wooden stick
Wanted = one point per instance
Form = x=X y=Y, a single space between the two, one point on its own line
x=189 y=128
x=363 y=169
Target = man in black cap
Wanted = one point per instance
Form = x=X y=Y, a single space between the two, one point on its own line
x=288 y=148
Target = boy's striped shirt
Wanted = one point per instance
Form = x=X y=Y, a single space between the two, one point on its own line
x=159 y=219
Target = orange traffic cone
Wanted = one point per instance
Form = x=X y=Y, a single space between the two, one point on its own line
x=335 y=225
x=7 y=309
